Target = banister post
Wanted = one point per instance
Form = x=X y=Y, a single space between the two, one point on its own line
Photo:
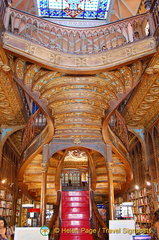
x=43 y=184
x=110 y=181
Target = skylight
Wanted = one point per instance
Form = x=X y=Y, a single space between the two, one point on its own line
x=74 y=9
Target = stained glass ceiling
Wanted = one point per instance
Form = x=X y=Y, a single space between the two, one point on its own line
x=74 y=9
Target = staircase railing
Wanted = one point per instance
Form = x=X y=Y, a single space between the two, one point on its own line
x=79 y=40
x=35 y=125
x=97 y=223
x=26 y=108
x=118 y=126
x=55 y=222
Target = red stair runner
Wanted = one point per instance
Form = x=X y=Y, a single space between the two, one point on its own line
x=75 y=216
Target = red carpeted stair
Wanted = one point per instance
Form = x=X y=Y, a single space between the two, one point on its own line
x=75 y=216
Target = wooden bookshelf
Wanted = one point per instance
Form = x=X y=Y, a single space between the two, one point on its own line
x=18 y=212
x=6 y=206
x=156 y=194
x=143 y=206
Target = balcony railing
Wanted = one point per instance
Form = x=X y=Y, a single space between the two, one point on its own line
x=79 y=40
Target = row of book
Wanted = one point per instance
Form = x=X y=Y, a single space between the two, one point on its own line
x=5 y=195
x=139 y=193
x=5 y=204
x=142 y=201
x=5 y=212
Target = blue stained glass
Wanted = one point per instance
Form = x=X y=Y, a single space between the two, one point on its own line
x=86 y=9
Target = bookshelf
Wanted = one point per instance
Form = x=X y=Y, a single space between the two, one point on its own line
x=143 y=206
x=6 y=206
x=18 y=212
x=156 y=194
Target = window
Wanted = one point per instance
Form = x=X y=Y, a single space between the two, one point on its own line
x=79 y=9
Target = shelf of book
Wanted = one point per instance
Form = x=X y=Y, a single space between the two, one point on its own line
x=6 y=206
x=18 y=212
x=143 y=206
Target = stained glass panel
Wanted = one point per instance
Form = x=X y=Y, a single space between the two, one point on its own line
x=81 y=9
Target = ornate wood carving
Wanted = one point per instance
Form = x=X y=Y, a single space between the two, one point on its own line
x=66 y=62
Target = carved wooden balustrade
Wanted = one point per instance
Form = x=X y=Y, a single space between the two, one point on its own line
x=79 y=40
x=97 y=222
x=34 y=126
x=118 y=126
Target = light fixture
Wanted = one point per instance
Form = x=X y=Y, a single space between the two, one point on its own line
x=148 y=183
x=136 y=187
x=3 y=180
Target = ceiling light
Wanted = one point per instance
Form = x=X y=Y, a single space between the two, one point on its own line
x=3 y=180
x=148 y=183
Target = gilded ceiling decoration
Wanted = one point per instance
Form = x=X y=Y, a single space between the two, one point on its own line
x=143 y=107
x=10 y=105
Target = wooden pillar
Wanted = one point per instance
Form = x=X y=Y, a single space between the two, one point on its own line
x=110 y=181
x=43 y=185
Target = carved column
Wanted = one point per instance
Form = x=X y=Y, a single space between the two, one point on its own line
x=110 y=182
x=43 y=185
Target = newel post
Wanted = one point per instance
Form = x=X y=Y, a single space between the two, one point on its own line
x=110 y=181
x=44 y=169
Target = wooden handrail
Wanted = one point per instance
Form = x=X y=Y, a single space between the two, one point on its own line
x=35 y=125
x=78 y=40
x=118 y=126
x=55 y=221
x=97 y=221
